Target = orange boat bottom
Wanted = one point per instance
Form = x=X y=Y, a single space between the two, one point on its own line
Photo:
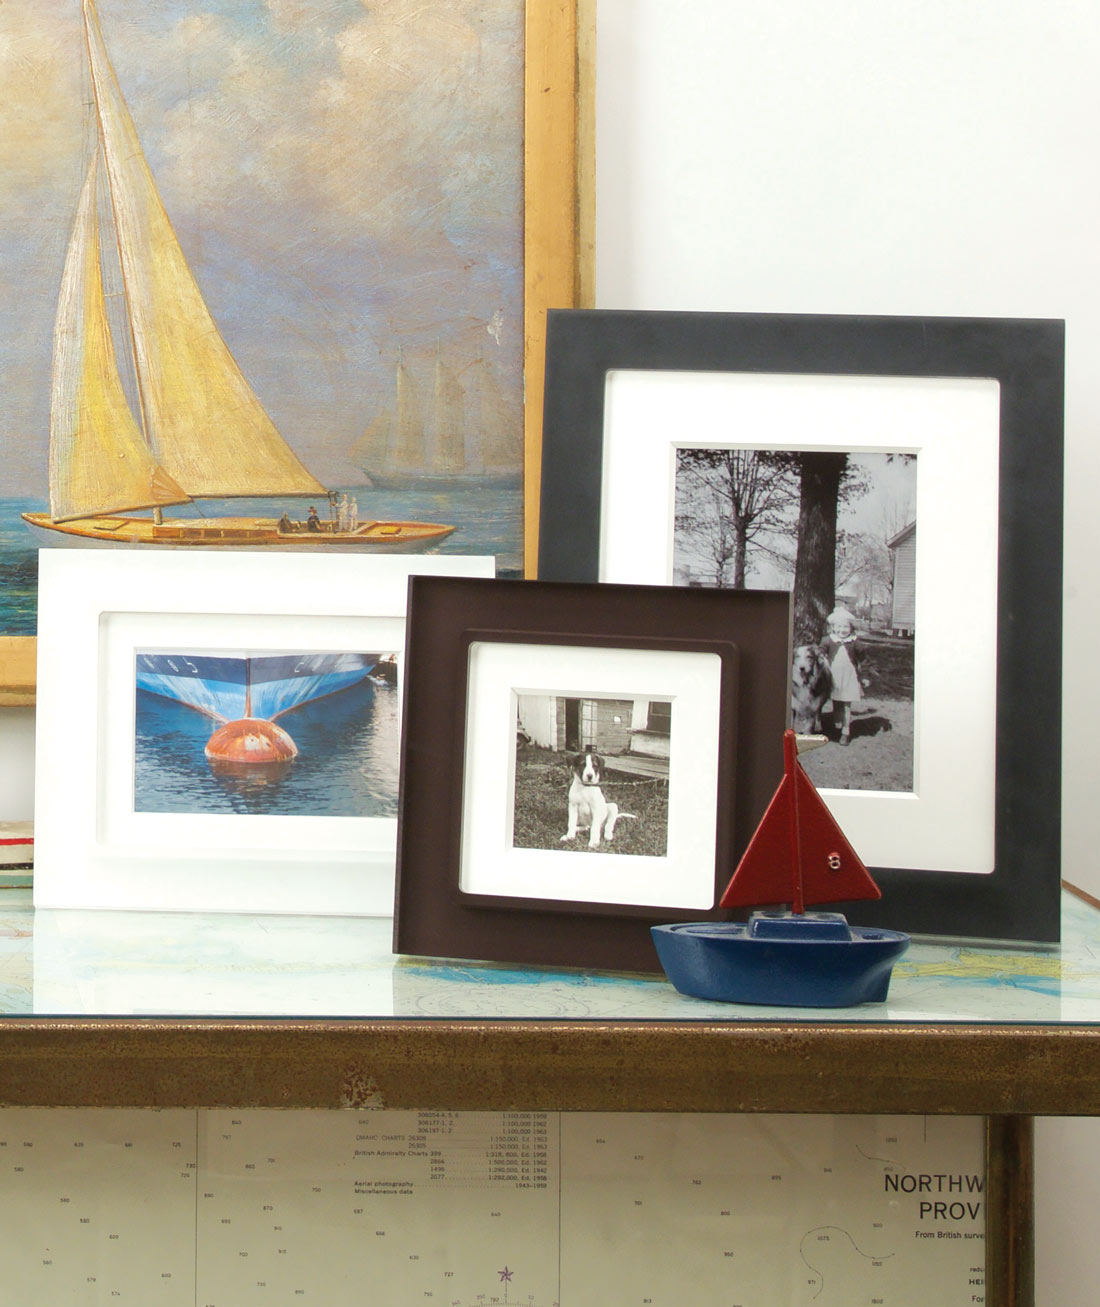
x=251 y=740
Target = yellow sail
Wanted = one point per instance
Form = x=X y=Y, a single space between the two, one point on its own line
x=99 y=462
x=202 y=418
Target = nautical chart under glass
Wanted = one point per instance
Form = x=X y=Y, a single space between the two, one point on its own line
x=265 y=279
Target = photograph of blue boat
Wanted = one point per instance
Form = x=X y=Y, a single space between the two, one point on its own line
x=296 y=734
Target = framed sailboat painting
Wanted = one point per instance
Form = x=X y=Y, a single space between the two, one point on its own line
x=231 y=325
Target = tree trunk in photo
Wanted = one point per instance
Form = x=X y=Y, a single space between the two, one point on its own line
x=815 y=563
x=740 y=551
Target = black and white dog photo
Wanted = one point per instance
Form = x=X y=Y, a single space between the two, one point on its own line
x=581 y=762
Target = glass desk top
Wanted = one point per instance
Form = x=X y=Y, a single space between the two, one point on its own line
x=102 y=963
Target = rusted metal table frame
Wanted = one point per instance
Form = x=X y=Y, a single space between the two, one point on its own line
x=552 y=1065
x=1006 y=1073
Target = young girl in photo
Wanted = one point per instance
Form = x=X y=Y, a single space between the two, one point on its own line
x=845 y=655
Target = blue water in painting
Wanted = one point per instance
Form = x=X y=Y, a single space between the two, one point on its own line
x=347 y=761
x=18 y=568
x=489 y=518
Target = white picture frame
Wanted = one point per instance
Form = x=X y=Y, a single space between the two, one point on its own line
x=97 y=611
x=952 y=425
x=492 y=865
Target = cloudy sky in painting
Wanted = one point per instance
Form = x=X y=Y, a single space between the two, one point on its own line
x=344 y=177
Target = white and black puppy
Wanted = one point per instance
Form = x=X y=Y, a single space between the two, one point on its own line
x=588 y=809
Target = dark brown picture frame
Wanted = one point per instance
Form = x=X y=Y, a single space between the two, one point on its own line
x=432 y=914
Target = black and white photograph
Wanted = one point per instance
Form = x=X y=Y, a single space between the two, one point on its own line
x=590 y=770
x=839 y=530
x=592 y=773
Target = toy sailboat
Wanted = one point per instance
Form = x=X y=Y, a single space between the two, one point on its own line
x=798 y=855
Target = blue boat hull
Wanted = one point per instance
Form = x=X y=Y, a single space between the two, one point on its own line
x=231 y=686
x=812 y=960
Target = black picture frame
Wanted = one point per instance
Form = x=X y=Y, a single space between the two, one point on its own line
x=1019 y=900
x=433 y=915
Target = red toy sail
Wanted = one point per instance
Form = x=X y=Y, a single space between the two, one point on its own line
x=798 y=855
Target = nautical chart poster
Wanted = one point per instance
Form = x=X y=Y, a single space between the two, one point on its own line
x=259 y=256
x=233 y=1208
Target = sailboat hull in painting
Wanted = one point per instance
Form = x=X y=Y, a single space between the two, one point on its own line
x=120 y=530
x=191 y=428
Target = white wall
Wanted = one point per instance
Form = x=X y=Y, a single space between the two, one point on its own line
x=870 y=156
x=16 y=764
x=883 y=156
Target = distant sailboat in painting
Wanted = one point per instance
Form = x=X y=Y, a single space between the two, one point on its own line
x=196 y=430
x=440 y=435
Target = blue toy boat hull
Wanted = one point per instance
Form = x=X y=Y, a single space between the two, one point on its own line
x=783 y=960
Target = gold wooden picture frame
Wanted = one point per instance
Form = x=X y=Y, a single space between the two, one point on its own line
x=557 y=244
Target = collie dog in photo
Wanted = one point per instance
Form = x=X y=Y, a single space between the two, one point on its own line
x=588 y=809
x=811 y=686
